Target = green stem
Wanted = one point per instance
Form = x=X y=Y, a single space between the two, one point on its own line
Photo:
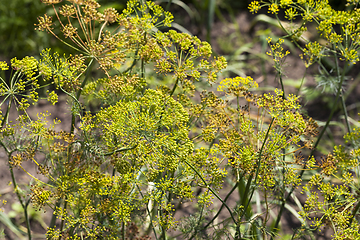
x=222 y=206
x=53 y=217
x=3 y=124
x=76 y=99
x=62 y=219
x=282 y=85
x=88 y=71
x=174 y=87
x=339 y=90
x=338 y=94
x=163 y=232
x=123 y=230
x=24 y=206
x=198 y=223
x=151 y=215
x=6 y=117
x=345 y=113
x=246 y=200
x=209 y=188
x=356 y=209
x=243 y=196
x=168 y=5
x=257 y=171
x=143 y=66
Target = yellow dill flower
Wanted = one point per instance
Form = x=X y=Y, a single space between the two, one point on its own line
x=247 y=83
x=290 y=13
x=274 y=8
x=3 y=65
x=284 y=3
x=313 y=51
x=254 y=7
x=350 y=55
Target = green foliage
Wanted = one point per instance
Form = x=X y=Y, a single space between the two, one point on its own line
x=17 y=19
x=337 y=185
x=332 y=193
x=133 y=158
x=149 y=147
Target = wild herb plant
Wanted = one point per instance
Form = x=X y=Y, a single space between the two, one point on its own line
x=335 y=51
x=332 y=192
x=123 y=169
x=260 y=137
x=134 y=154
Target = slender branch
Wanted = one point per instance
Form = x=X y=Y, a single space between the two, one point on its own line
x=198 y=223
x=258 y=165
x=222 y=206
x=16 y=188
x=209 y=188
x=345 y=113
x=174 y=87
x=335 y=104
x=355 y=210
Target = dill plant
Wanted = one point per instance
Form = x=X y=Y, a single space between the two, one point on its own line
x=132 y=160
x=260 y=136
x=332 y=193
x=145 y=151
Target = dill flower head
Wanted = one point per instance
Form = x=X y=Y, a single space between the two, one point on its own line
x=254 y=6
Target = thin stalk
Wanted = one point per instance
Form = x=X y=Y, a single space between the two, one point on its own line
x=53 y=217
x=174 y=87
x=209 y=188
x=345 y=113
x=341 y=96
x=222 y=206
x=6 y=117
x=24 y=206
x=76 y=99
x=258 y=167
x=163 y=232
x=62 y=220
x=245 y=199
x=88 y=70
x=243 y=196
x=143 y=67
x=302 y=82
x=168 y=5
x=338 y=94
x=282 y=85
x=356 y=209
x=198 y=223
x=150 y=215
x=122 y=230
x=282 y=207
x=212 y=5
x=133 y=63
